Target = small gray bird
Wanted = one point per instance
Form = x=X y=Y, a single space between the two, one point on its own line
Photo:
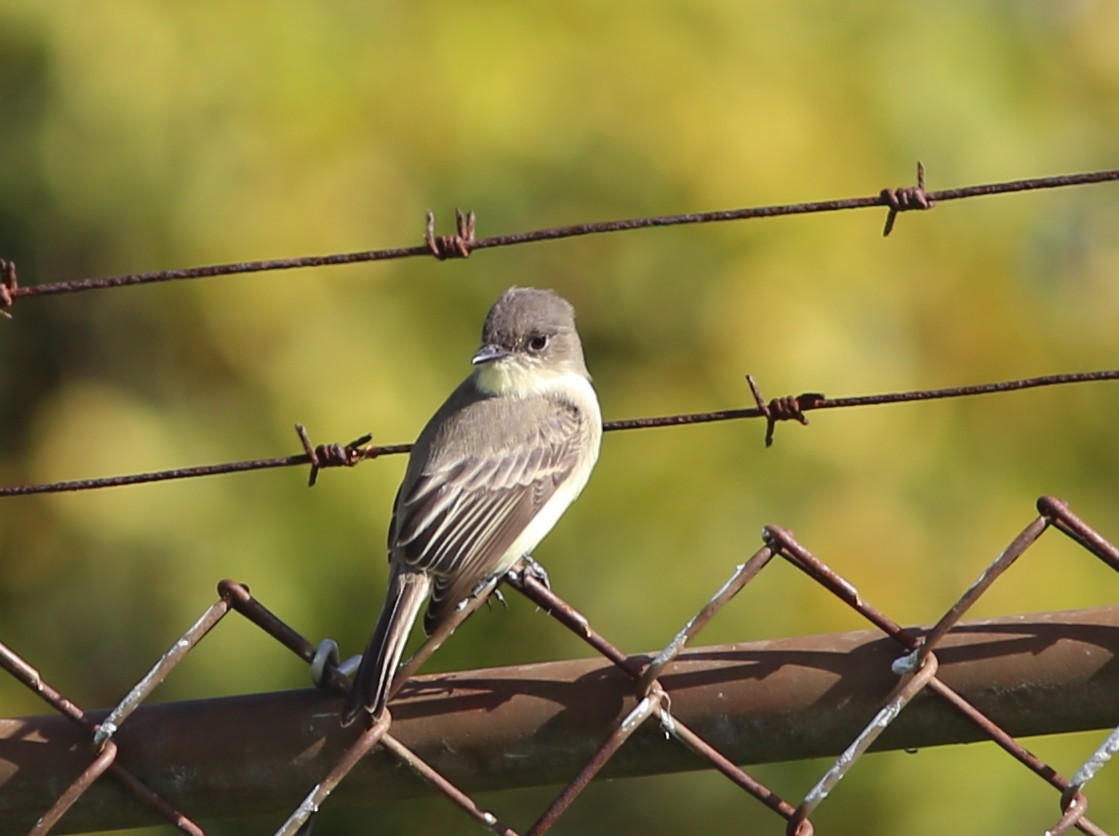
x=488 y=477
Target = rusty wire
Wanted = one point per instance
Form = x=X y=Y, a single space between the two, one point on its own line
x=463 y=241
x=790 y=407
x=916 y=671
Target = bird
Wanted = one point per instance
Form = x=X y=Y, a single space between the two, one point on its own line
x=488 y=477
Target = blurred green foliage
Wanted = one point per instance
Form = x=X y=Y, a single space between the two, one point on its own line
x=151 y=136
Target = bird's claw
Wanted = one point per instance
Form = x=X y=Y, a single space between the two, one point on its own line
x=496 y=594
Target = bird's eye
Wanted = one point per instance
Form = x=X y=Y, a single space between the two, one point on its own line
x=538 y=343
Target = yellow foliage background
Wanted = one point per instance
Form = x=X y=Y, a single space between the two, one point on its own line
x=143 y=136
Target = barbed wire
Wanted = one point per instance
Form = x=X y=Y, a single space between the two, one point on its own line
x=464 y=241
x=788 y=408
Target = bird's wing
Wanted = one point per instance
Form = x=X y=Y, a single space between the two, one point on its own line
x=459 y=514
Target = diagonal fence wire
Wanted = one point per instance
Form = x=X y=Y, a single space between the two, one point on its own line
x=915 y=669
x=464 y=240
x=791 y=407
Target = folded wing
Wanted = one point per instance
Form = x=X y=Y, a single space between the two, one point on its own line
x=461 y=514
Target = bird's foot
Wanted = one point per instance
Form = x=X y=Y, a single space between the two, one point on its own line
x=528 y=566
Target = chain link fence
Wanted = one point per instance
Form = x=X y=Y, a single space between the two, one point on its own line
x=888 y=674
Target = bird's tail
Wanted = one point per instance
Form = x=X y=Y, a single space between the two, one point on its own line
x=406 y=595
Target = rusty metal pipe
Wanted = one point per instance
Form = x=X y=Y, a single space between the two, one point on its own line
x=539 y=724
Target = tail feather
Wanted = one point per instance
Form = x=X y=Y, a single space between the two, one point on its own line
x=406 y=595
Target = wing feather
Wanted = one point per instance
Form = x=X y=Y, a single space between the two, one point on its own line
x=458 y=512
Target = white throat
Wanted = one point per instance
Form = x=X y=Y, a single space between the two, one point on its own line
x=510 y=378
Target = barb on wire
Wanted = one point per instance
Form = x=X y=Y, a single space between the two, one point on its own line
x=451 y=246
x=905 y=198
x=777 y=409
x=788 y=408
x=463 y=242
x=328 y=455
x=334 y=455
